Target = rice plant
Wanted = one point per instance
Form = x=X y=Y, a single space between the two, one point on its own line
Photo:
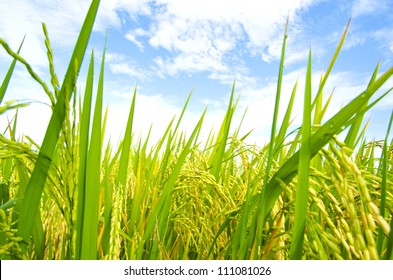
x=317 y=195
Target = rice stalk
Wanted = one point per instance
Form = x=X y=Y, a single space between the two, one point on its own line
x=30 y=205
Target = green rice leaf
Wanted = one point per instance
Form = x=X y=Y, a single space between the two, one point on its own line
x=276 y=108
x=93 y=172
x=126 y=145
x=301 y=203
x=12 y=104
x=218 y=152
x=353 y=134
x=258 y=223
x=30 y=207
x=389 y=249
x=108 y=190
x=331 y=64
x=285 y=123
x=83 y=149
x=7 y=78
x=384 y=187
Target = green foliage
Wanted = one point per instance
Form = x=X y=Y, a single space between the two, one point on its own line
x=301 y=206
x=311 y=196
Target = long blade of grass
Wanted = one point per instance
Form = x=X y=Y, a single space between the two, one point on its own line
x=257 y=222
x=285 y=123
x=125 y=151
x=83 y=148
x=276 y=108
x=182 y=113
x=168 y=136
x=389 y=247
x=301 y=202
x=7 y=78
x=108 y=190
x=353 y=133
x=318 y=105
x=384 y=173
x=36 y=184
x=93 y=166
x=126 y=145
x=331 y=64
x=218 y=152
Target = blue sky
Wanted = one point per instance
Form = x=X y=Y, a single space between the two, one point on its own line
x=171 y=47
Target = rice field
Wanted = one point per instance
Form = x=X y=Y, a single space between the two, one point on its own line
x=326 y=192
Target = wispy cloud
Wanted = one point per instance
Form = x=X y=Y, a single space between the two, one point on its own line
x=368 y=7
x=121 y=64
x=133 y=35
x=63 y=20
x=385 y=38
x=196 y=38
x=126 y=69
x=181 y=38
x=200 y=39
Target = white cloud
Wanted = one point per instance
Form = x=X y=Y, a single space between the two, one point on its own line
x=111 y=57
x=211 y=103
x=63 y=20
x=368 y=7
x=135 y=7
x=201 y=38
x=238 y=75
x=24 y=17
x=293 y=57
x=198 y=38
x=127 y=69
x=133 y=37
x=259 y=101
x=154 y=111
x=120 y=64
x=134 y=40
x=384 y=37
x=158 y=110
